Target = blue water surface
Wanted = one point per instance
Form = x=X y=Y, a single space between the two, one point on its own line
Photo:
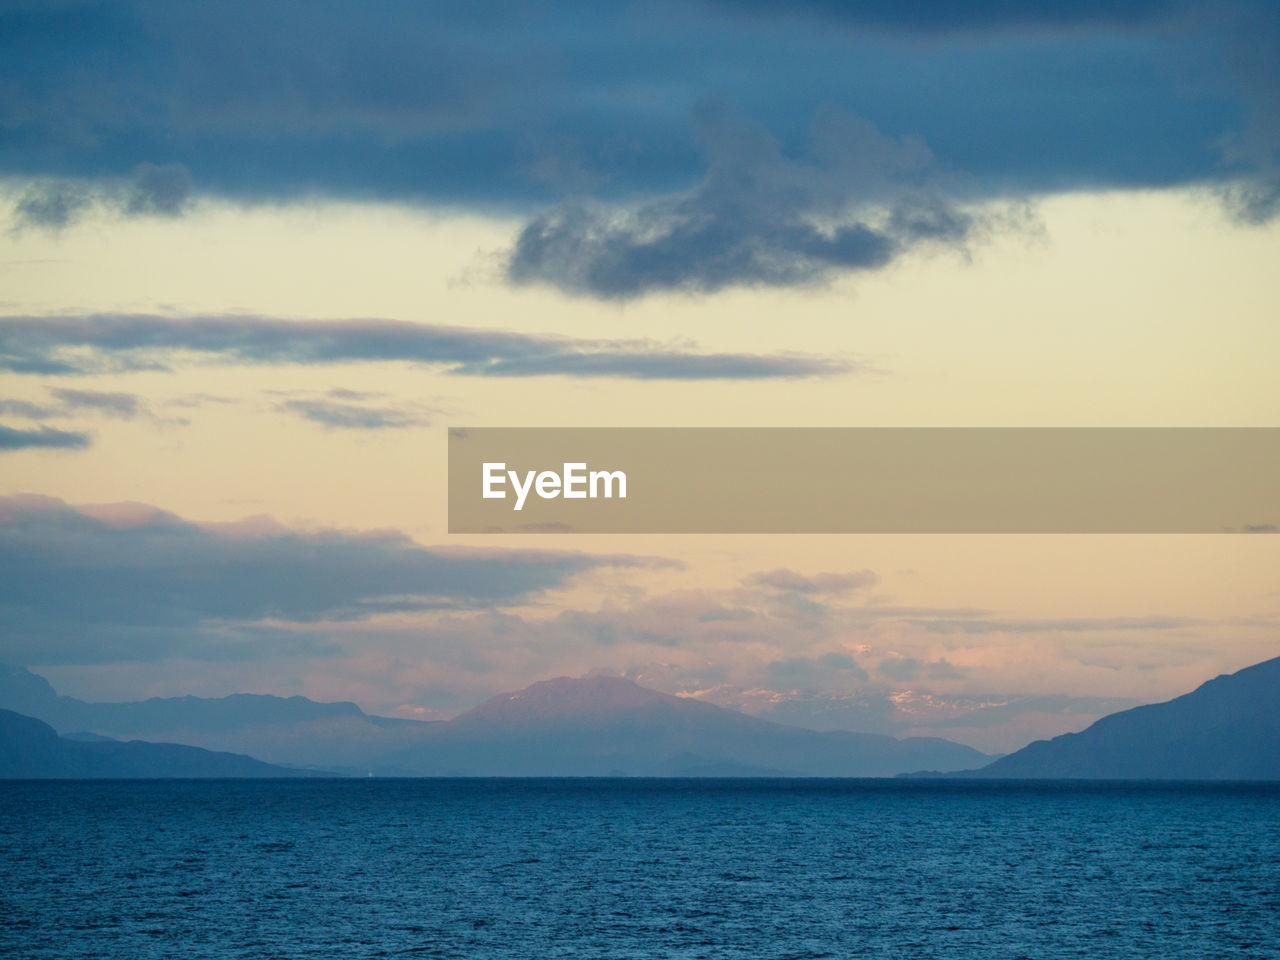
x=638 y=869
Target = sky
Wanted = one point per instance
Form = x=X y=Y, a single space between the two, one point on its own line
x=255 y=260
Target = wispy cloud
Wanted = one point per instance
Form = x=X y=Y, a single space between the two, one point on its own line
x=53 y=204
x=83 y=344
x=341 y=409
x=25 y=408
x=12 y=438
x=902 y=669
x=789 y=581
x=68 y=403
x=163 y=190
x=123 y=406
x=834 y=668
x=980 y=625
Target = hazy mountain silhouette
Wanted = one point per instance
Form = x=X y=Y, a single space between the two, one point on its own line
x=30 y=693
x=292 y=730
x=565 y=727
x=609 y=725
x=1226 y=729
x=32 y=749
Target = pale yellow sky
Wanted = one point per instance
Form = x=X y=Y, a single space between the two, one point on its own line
x=1119 y=309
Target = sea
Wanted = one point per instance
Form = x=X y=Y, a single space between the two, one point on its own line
x=638 y=868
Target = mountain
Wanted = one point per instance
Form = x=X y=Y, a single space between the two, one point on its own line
x=30 y=749
x=1225 y=729
x=993 y=723
x=291 y=730
x=1228 y=728
x=567 y=727
x=27 y=692
x=600 y=726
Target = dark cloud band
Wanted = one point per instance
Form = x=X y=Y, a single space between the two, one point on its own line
x=934 y=17
x=489 y=105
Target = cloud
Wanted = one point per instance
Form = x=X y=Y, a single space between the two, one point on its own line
x=70 y=403
x=934 y=18
x=908 y=669
x=123 y=406
x=152 y=190
x=945 y=624
x=660 y=364
x=828 y=583
x=128 y=581
x=47 y=438
x=834 y=668
x=162 y=190
x=80 y=344
x=799 y=598
x=1251 y=32
x=193 y=401
x=25 y=408
x=997 y=713
x=53 y=204
x=758 y=217
x=491 y=106
x=336 y=414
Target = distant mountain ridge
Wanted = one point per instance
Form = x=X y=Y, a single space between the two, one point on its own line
x=547 y=700
x=1226 y=729
x=292 y=730
x=595 y=726
x=31 y=749
x=30 y=693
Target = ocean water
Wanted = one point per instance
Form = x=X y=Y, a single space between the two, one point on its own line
x=638 y=869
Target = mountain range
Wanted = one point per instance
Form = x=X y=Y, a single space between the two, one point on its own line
x=30 y=749
x=336 y=737
x=609 y=725
x=1226 y=729
x=991 y=722
x=565 y=727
